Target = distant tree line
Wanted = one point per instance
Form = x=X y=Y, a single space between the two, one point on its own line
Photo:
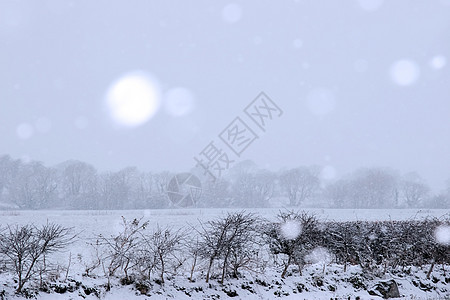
x=78 y=185
x=226 y=247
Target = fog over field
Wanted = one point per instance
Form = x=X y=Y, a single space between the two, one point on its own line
x=361 y=84
x=224 y=149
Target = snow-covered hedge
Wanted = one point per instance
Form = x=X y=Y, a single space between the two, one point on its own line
x=231 y=246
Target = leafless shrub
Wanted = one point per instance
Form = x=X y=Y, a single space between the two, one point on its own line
x=93 y=260
x=119 y=251
x=340 y=238
x=382 y=246
x=293 y=248
x=161 y=247
x=230 y=240
x=25 y=248
x=241 y=250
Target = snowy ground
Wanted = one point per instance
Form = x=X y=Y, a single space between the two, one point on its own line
x=314 y=284
x=101 y=221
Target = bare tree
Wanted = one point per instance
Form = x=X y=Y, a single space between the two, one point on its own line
x=339 y=193
x=159 y=196
x=213 y=236
x=263 y=186
x=105 y=190
x=9 y=169
x=34 y=186
x=192 y=249
x=374 y=187
x=161 y=180
x=142 y=190
x=414 y=190
x=253 y=189
x=296 y=244
x=120 y=249
x=366 y=188
x=216 y=193
x=299 y=184
x=341 y=239
x=243 y=248
x=162 y=246
x=78 y=185
x=230 y=239
x=25 y=247
x=440 y=200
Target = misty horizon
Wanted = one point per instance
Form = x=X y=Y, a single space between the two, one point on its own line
x=325 y=174
x=364 y=87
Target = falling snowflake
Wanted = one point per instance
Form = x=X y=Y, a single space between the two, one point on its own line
x=370 y=5
x=328 y=172
x=133 y=99
x=319 y=255
x=232 y=13
x=321 y=101
x=438 y=62
x=297 y=43
x=290 y=230
x=442 y=234
x=24 y=131
x=179 y=101
x=404 y=72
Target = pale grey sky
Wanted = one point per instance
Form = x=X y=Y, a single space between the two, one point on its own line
x=361 y=83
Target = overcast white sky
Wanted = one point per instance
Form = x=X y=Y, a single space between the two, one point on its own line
x=361 y=83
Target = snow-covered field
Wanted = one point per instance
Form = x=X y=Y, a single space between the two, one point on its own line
x=333 y=283
x=89 y=223
x=101 y=221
